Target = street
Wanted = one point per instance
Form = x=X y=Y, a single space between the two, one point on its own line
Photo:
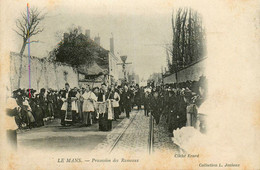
x=52 y=136
x=134 y=138
x=55 y=137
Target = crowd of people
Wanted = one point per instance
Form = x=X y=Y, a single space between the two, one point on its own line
x=73 y=106
x=177 y=103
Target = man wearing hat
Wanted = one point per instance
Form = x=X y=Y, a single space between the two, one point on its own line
x=32 y=100
x=146 y=100
x=50 y=102
x=137 y=97
x=43 y=103
x=181 y=108
x=156 y=105
x=126 y=100
x=38 y=113
x=19 y=97
x=171 y=107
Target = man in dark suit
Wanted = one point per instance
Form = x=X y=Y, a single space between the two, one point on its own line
x=137 y=96
x=43 y=103
x=126 y=100
x=156 y=105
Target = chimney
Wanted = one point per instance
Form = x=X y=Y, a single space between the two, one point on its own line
x=66 y=37
x=87 y=33
x=97 y=40
x=112 y=45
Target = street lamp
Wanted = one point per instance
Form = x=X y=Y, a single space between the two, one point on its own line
x=123 y=58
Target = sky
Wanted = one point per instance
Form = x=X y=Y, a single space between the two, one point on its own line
x=140 y=29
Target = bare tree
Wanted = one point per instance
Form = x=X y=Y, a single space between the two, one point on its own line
x=27 y=29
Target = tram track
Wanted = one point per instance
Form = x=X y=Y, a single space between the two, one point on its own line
x=120 y=136
x=151 y=134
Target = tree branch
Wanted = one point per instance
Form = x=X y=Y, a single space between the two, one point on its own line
x=37 y=31
x=34 y=27
x=18 y=33
x=20 y=28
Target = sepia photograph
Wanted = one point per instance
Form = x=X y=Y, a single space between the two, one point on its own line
x=130 y=84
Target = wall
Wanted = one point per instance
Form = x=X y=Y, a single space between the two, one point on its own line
x=192 y=72
x=113 y=68
x=44 y=74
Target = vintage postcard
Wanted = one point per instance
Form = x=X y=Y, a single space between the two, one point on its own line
x=129 y=84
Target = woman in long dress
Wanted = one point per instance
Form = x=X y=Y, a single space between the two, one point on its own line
x=38 y=112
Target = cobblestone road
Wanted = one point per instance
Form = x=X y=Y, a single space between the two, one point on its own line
x=135 y=138
x=162 y=138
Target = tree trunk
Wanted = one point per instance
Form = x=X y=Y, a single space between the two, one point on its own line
x=189 y=40
x=21 y=63
x=183 y=38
